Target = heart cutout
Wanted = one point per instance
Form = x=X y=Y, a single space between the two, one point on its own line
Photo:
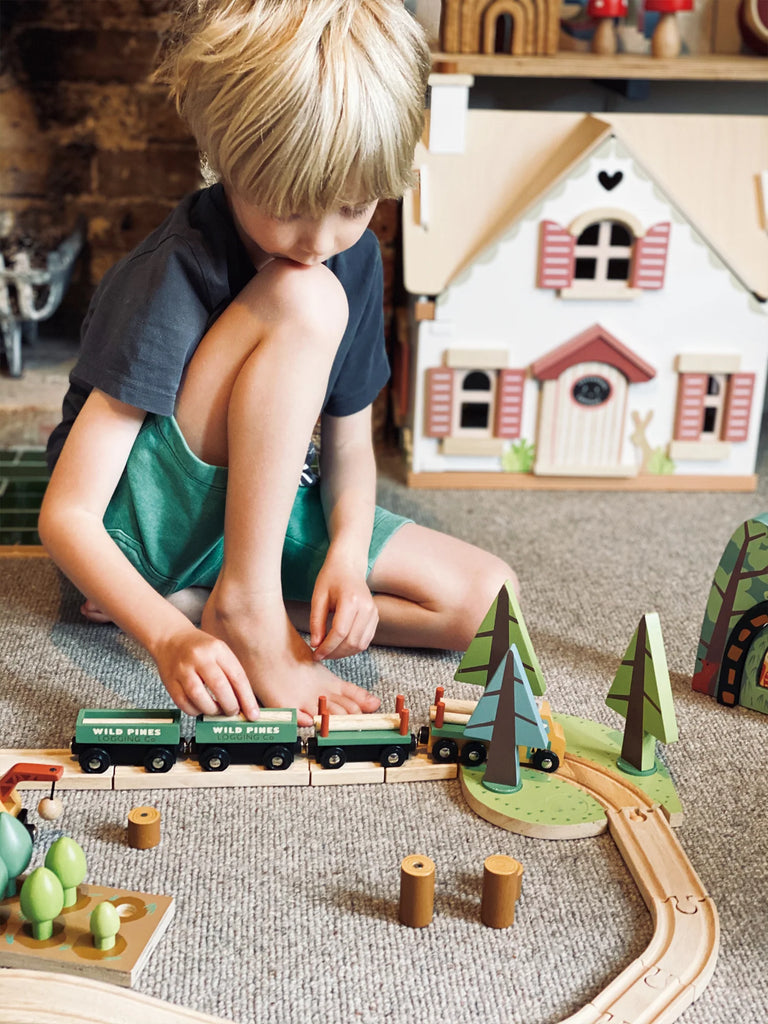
x=609 y=181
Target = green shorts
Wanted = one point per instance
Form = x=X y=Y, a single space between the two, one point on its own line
x=167 y=516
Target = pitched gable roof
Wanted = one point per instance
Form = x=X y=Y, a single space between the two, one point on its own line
x=706 y=166
x=593 y=345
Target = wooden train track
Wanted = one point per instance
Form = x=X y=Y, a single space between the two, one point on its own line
x=188 y=774
x=41 y=997
x=654 y=989
x=680 y=959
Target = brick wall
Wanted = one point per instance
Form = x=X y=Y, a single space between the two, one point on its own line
x=84 y=133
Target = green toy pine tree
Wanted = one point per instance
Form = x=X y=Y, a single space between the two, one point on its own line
x=41 y=900
x=642 y=694
x=502 y=627
x=15 y=849
x=506 y=716
x=67 y=861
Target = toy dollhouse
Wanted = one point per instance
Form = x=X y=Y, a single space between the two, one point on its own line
x=574 y=323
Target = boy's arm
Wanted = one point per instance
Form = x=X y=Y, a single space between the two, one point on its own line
x=348 y=489
x=194 y=666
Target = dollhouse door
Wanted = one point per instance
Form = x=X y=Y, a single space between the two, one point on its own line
x=582 y=422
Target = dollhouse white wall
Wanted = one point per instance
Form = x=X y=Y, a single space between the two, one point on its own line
x=494 y=304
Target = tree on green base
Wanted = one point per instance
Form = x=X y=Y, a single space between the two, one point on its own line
x=642 y=694
x=502 y=627
x=506 y=716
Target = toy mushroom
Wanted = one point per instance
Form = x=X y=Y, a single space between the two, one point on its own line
x=666 y=40
x=606 y=11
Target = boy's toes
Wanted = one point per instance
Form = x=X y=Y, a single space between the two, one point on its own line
x=358 y=700
x=92 y=613
x=338 y=704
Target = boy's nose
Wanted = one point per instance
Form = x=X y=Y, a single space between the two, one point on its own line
x=318 y=240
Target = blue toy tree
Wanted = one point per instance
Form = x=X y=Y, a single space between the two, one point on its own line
x=507 y=717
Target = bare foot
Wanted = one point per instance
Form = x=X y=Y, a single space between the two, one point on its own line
x=93 y=613
x=280 y=665
x=189 y=601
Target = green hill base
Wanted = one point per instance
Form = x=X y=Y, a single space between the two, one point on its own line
x=549 y=807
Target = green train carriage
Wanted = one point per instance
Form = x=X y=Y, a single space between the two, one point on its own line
x=105 y=737
x=271 y=741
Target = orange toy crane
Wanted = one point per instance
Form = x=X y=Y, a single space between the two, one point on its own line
x=25 y=771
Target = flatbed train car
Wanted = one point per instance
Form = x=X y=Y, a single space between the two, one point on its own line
x=376 y=737
x=446 y=744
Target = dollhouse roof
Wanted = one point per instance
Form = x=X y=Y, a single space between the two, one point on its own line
x=708 y=167
x=593 y=345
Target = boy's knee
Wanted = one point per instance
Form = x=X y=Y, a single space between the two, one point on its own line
x=493 y=574
x=310 y=300
x=480 y=593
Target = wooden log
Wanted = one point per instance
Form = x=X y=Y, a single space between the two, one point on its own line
x=143 y=828
x=502 y=885
x=361 y=723
x=417 y=890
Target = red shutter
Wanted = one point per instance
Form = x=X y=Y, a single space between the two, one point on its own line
x=556 y=256
x=738 y=406
x=689 y=418
x=509 y=403
x=439 y=402
x=650 y=261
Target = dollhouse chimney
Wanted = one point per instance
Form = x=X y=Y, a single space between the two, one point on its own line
x=448 y=102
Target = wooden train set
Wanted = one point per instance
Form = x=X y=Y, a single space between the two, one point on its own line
x=145 y=750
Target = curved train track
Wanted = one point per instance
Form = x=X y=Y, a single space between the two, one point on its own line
x=681 y=956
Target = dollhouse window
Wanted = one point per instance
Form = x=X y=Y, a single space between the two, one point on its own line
x=480 y=402
x=714 y=404
x=591 y=390
x=603 y=252
x=474 y=393
x=608 y=255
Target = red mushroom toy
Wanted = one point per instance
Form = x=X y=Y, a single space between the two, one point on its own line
x=666 y=39
x=606 y=11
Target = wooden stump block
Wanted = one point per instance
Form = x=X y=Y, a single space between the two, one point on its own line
x=417 y=890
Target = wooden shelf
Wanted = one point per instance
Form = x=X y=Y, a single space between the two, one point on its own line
x=710 y=67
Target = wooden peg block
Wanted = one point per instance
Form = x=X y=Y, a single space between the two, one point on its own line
x=417 y=890
x=502 y=884
x=143 y=828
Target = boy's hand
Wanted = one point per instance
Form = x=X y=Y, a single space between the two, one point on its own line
x=203 y=676
x=342 y=595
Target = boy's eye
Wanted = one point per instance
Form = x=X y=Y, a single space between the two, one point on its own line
x=355 y=211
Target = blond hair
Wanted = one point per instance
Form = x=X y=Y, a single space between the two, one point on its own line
x=301 y=105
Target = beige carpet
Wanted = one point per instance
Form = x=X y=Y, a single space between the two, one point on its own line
x=287 y=899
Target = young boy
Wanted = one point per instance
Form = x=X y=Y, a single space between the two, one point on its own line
x=209 y=353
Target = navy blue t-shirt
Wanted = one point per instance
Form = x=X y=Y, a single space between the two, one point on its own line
x=153 y=308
